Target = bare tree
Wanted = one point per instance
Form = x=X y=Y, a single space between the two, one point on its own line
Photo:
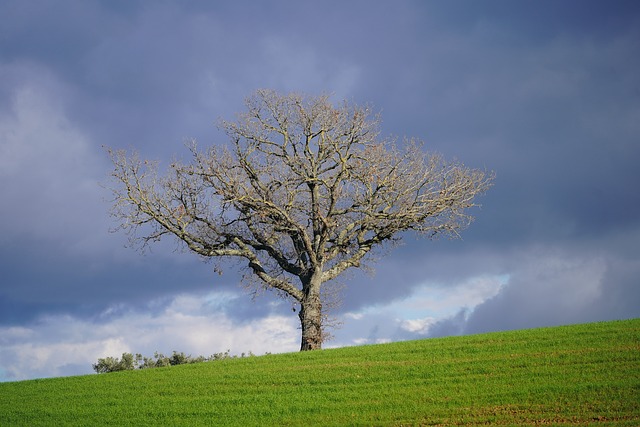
x=303 y=191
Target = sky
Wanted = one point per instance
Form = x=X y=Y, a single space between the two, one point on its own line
x=544 y=93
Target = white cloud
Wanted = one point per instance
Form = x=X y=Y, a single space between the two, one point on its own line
x=420 y=326
x=439 y=301
x=64 y=345
x=413 y=315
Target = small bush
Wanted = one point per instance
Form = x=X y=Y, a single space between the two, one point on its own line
x=159 y=360
x=111 y=364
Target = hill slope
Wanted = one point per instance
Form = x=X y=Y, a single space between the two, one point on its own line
x=572 y=375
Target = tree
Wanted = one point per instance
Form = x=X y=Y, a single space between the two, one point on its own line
x=304 y=191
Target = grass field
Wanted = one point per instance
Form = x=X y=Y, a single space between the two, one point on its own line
x=572 y=375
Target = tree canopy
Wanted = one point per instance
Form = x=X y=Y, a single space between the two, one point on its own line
x=302 y=192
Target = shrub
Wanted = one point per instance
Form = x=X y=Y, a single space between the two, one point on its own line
x=159 y=360
x=111 y=364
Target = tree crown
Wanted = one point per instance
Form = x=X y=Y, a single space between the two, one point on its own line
x=303 y=191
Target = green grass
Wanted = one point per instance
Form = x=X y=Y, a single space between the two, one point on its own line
x=572 y=375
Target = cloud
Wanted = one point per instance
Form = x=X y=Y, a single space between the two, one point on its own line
x=550 y=286
x=413 y=315
x=297 y=66
x=63 y=345
x=48 y=171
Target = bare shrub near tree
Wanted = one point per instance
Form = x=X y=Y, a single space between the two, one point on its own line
x=303 y=192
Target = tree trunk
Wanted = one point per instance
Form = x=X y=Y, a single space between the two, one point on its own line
x=311 y=316
x=311 y=321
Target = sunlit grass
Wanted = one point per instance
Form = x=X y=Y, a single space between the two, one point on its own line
x=574 y=375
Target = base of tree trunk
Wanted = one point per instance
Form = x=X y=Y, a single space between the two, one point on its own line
x=311 y=322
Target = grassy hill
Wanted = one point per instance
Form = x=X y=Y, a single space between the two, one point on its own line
x=572 y=375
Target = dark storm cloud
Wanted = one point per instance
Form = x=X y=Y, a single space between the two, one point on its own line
x=152 y=75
